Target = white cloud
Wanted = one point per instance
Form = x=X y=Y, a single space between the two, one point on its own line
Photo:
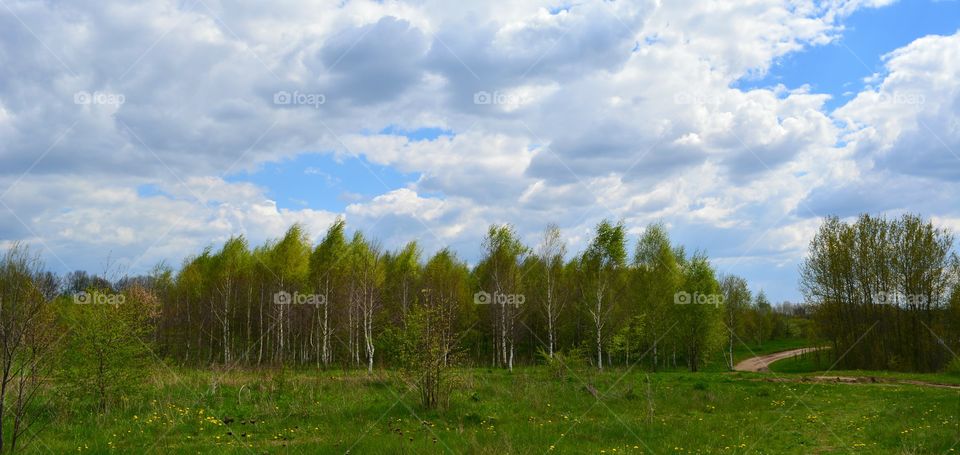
x=609 y=109
x=86 y=221
x=910 y=122
x=402 y=202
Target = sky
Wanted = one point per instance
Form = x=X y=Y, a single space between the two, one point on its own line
x=134 y=134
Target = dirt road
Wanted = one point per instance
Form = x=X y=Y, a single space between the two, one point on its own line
x=762 y=362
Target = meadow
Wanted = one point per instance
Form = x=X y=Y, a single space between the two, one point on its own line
x=535 y=409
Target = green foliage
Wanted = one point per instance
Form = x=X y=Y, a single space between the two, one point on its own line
x=953 y=367
x=565 y=364
x=603 y=280
x=325 y=257
x=700 y=324
x=425 y=357
x=107 y=354
x=222 y=306
x=500 y=273
x=27 y=340
x=629 y=340
x=657 y=278
x=608 y=248
x=401 y=274
x=736 y=305
x=289 y=258
x=881 y=287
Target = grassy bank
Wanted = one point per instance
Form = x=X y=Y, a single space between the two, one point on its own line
x=493 y=411
x=823 y=363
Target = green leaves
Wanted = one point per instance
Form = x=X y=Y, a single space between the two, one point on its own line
x=881 y=287
x=608 y=248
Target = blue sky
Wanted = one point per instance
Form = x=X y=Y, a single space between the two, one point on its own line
x=841 y=67
x=322 y=181
x=135 y=134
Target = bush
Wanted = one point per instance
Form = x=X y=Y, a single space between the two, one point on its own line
x=953 y=368
x=107 y=354
x=563 y=362
x=426 y=357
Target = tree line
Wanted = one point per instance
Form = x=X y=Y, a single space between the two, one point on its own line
x=886 y=292
x=346 y=302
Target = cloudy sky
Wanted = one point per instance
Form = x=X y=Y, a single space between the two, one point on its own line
x=143 y=132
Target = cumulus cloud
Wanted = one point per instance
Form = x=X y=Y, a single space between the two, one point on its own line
x=84 y=222
x=623 y=110
x=909 y=123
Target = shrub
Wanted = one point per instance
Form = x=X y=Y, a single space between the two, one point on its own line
x=426 y=357
x=563 y=362
x=953 y=368
x=107 y=351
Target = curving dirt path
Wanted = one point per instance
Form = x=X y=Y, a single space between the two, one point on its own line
x=762 y=363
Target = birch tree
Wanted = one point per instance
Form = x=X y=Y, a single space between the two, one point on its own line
x=230 y=266
x=603 y=262
x=365 y=278
x=699 y=325
x=551 y=253
x=657 y=279
x=499 y=277
x=401 y=272
x=446 y=292
x=736 y=300
x=288 y=263
x=327 y=279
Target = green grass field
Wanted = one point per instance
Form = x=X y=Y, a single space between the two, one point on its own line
x=495 y=412
x=812 y=364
